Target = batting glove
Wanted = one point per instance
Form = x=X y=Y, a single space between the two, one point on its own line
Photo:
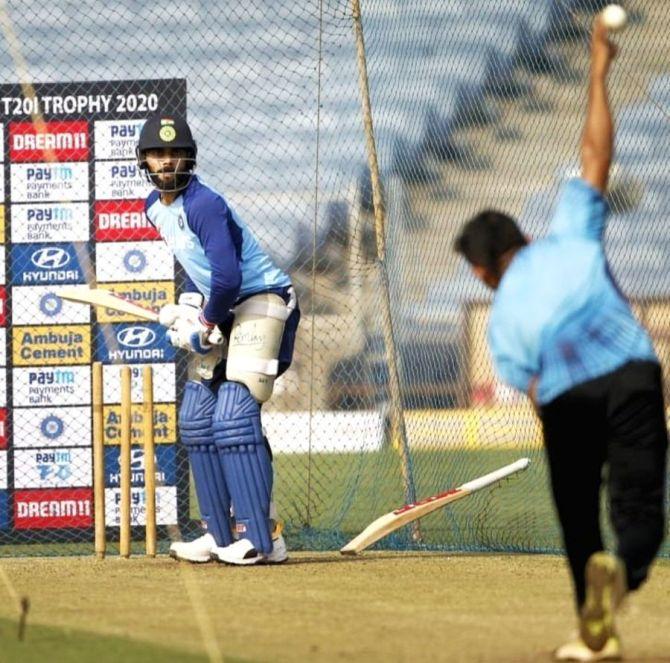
x=192 y=335
x=188 y=307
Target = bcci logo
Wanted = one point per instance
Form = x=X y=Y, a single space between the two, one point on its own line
x=50 y=258
x=167 y=133
x=52 y=427
x=136 y=337
x=135 y=261
x=51 y=305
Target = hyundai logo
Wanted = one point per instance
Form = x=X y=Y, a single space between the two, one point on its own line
x=50 y=258
x=136 y=337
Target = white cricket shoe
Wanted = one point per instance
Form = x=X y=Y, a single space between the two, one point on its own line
x=197 y=551
x=243 y=553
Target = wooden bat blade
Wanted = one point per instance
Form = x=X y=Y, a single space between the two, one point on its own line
x=394 y=520
x=105 y=298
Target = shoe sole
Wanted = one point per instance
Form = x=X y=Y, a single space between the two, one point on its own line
x=200 y=560
x=249 y=562
x=597 y=622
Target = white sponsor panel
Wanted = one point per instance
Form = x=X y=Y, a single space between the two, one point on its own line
x=2 y=262
x=51 y=385
x=133 y=261
x=3 y=346
x=120 y=180
x=2 y=180
x=49 y=182
x=3 y=470
x=164 y=383
x=166 y=506
x=40 y=305
x=50 y=222
x=52 y=468
x=52 y=427
x=3 y=387
x=2 y=152
x=324 y=432
x=116 y=139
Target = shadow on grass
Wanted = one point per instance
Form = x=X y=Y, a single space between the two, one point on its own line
x=64 y=645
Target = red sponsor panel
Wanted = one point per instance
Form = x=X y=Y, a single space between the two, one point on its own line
x=53 y=508
x=48 y=141
x=3 y=428
x=3 y=306
x=122 y=221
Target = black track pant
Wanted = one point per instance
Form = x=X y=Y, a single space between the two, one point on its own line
x=616 y=422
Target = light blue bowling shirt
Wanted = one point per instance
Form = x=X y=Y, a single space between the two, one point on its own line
x=221 y=257
x=558 y=314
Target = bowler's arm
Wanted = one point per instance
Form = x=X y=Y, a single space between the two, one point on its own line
x=598 y=137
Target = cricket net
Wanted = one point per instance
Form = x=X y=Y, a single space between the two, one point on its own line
x=391 y=396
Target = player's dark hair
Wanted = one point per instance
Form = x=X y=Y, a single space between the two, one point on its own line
x=486 y=237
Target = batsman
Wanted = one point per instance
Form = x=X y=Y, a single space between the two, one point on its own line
x=238 y=316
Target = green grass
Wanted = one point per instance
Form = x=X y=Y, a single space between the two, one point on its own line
x=71 y=645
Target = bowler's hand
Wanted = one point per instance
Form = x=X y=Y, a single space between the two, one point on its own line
x=603 y=51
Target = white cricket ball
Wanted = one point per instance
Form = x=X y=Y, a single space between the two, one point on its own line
x=614 y=17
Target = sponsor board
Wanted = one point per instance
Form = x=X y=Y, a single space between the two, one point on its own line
x=166 y=506
x=165 y=423
x=3 y=428
x=2 y=142
x=2 y=184
x=133 y=261
x=116 y=139
x=62 y=385
x=151 y=295
x=166 y=466
x=118 y=180
x=35 y=264
x=3 y=470
x=164 y=383
x=122 y=220
x=51 y=427
x=48 y=141
x=48 y=182
x=2 y=267
x=2 y=224
x=50 y=222
x=42 y=509
x=132 y=343
x=3 y=305
x=4 y=510
x=40 y=305
x=65 y=467
x=51 y=345
x=3 y=346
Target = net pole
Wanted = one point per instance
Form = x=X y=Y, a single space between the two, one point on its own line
x=98 y=462
x=396 y=414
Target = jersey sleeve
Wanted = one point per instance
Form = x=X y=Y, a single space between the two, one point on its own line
x=189 y=286
x=515 y=363
x=581 y=212
x=211 y=220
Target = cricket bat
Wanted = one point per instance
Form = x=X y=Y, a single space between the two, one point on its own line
x=392 y=521
x=107 y=299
